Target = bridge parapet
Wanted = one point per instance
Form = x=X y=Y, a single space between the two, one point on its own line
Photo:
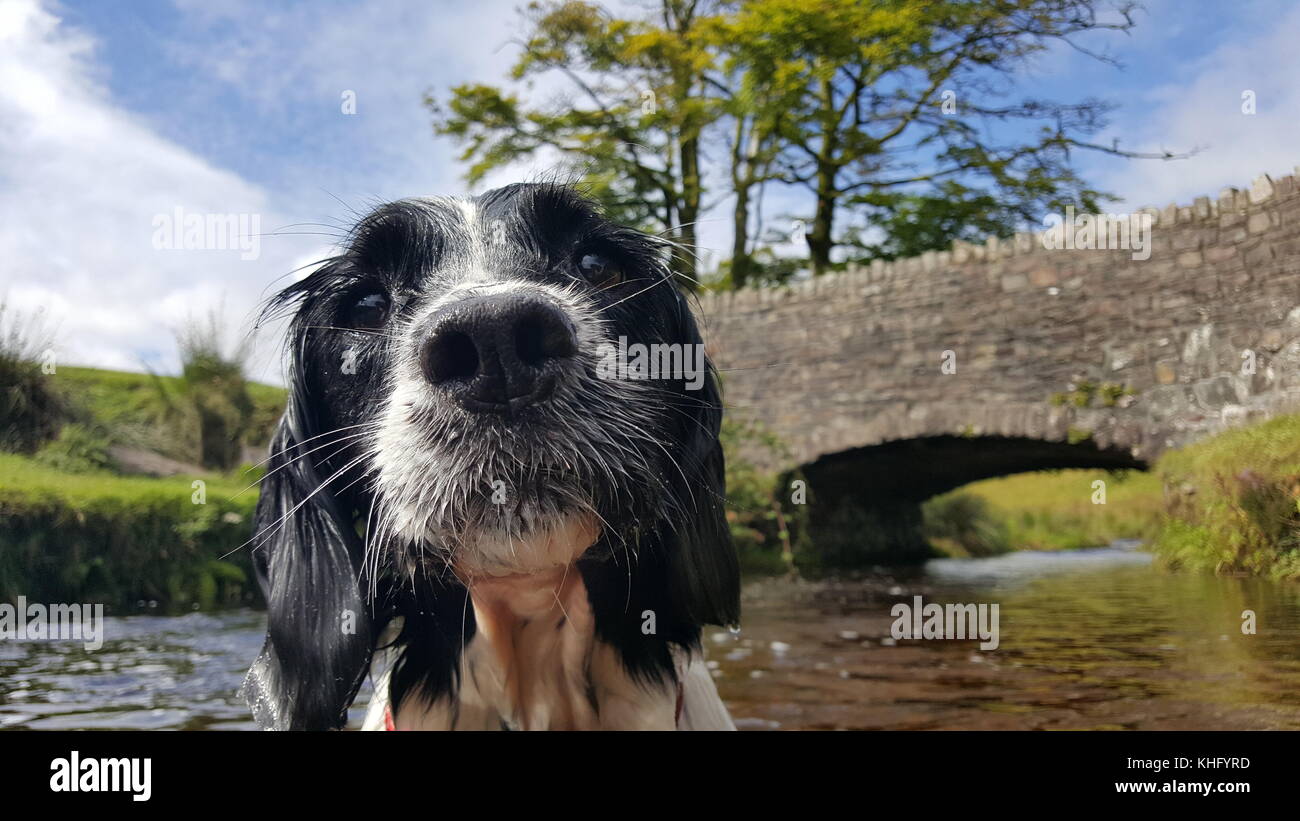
x=1202 y=334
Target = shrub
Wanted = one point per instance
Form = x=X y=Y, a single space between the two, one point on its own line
x=77 y=449
x=962 y=524
x=31 y=408
x=212 y=412
x=765 y=530
x=1235 y=501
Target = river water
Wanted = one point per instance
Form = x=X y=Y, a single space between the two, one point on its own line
x=1089 y=639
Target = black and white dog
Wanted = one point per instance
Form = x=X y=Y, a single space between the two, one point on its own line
x=460 y=496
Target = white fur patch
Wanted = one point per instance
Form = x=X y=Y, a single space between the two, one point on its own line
x=422 y=478
x=535 y=665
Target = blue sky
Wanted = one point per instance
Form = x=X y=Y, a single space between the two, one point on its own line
x=110 y=117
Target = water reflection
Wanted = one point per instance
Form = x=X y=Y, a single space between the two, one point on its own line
x=153 y=672
x=1089 y=639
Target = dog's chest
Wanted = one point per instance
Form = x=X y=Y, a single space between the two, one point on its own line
x=535 y=664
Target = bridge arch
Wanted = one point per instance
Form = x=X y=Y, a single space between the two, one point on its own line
x=868 y=499
x=1063 y=358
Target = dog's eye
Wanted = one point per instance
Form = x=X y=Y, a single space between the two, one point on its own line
x=599 y=270
x=369 y=311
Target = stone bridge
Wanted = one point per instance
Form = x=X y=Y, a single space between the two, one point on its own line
x=893 y=382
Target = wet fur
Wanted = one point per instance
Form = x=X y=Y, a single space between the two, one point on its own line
x=377 y=495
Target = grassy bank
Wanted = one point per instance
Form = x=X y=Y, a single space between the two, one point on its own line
x=1050 y=510
x=99 y=537
x=1229 y=504
x=127 y=405
x=1234 y=502
x=73 y=526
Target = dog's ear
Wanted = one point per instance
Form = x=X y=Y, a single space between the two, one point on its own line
x=318 y=640
x=704 y=575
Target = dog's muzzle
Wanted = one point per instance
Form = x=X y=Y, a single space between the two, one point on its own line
x=498 y=353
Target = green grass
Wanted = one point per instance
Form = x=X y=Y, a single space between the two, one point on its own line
x=1234 y=502
x=1228 y=504
x=24 y=478
x=100 y=537
x=127 y=404
x=1055 y=510
x=72 y=530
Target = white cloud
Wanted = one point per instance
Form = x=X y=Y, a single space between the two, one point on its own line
x=1204 y=108
x=292 y=62
x=82 y=176
x=82 y=182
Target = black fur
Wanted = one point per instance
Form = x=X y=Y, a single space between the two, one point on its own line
x=670 y=553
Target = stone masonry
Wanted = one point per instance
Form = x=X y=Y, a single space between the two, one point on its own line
x=851 y=362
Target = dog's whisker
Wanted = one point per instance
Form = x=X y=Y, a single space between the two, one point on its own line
x=280 y=523
x=488 y=457
x=345 y=440
x=296 y=445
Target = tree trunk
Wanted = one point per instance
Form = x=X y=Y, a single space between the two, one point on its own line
x=819 y=238
x=742 y=180
x=689 y=212
x=740 y=261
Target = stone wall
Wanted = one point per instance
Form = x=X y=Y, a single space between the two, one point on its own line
x=853 y=359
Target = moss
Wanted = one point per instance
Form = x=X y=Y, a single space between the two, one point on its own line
x=1083 y=394
x=1111 y=393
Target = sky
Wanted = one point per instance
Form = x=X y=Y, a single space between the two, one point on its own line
x=118 y=120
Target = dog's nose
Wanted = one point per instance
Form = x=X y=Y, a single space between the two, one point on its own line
x=497 y=353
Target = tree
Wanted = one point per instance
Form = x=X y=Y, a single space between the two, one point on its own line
x=896 y=112
x=911 y=224
x=633 y=114
x=763 y=268
x=896 y=96
x=753 y=106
